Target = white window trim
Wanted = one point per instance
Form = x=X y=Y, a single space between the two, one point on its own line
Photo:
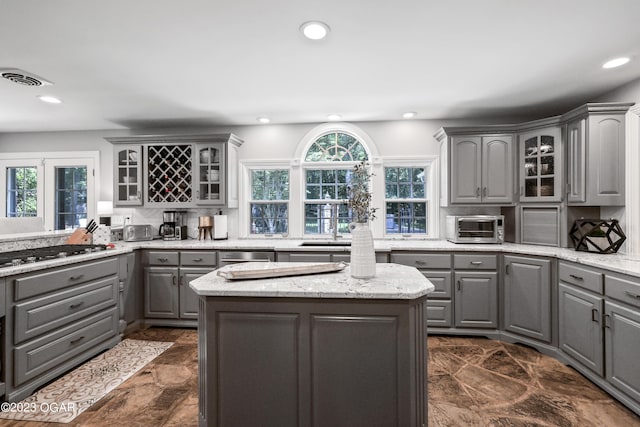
x=299 y=164
x=48 y=161
x=244 y=213
x=431 y=165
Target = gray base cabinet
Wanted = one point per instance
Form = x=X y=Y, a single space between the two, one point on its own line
x=437 y=268
x=527 y=296
x=622 y=347
x=58 y=318
x=312 y=362
x=168 y=299
x=476 y=291
x=579 y=328
x=476 y=300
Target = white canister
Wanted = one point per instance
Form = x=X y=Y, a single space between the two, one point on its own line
x=363 y=254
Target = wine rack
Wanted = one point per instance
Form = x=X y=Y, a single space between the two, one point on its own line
x=169 y=174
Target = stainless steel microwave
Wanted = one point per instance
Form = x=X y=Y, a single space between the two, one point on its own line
x=475 y=228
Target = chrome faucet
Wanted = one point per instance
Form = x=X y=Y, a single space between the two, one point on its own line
x=334 y=221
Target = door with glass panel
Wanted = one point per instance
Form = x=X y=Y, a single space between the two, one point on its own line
x=541 y=165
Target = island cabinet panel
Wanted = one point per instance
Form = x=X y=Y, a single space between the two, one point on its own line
x=254 y=349
x=527 y=297
x=312 y=362
x=345 y=351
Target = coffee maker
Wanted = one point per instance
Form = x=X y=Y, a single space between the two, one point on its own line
x=172 y=228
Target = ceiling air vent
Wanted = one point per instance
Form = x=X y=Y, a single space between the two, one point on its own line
x=23 y=77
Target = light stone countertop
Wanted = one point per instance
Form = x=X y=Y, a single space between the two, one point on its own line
x=392 y=281
x=619 y=263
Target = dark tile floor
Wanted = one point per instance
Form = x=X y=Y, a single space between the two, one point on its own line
x=472 y=382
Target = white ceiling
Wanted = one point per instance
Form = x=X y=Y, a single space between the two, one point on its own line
x=147 y=63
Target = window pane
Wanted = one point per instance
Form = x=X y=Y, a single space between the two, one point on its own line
x=71 y=196
x=405 y=183
x=317 y=218
x=270 y=185
x=336 y=147
x=22 y=192
x=269 y=218
x=406 y=218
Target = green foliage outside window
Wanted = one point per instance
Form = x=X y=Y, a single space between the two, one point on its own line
x=22 y=197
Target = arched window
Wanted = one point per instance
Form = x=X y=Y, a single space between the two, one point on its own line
x=336 y=147
x=327 y=168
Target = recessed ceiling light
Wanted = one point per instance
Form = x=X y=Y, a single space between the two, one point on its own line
x=49 y=99
x=264 y=119
x=314 y=30
x=615 y=62
x=334 y=117
x=409 y=115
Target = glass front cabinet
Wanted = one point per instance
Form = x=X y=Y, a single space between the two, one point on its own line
x=541 y=165
x=127 y=175
x=210 y=174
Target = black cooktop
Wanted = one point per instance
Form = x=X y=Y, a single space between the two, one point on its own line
x=42 y=254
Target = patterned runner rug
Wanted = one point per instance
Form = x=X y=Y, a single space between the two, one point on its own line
x=69 y=396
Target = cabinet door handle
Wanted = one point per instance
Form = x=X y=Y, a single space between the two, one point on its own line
x=484 y=192
x=475 y=262
x=607 y=321
x=139 y=195
x=72 y=306
x=573 y=276
x=76 y=341
x=506 y=269
x=632 y=295
x=477 y=191
x=594 y=315
x=174 y=280
x=521 y=190
x=458 y=284
x=78 y=277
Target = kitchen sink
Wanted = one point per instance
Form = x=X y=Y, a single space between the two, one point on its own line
x=325 y=243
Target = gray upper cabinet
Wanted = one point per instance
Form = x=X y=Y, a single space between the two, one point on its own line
x=127 y=175
x=527 y=297
x=540 y=165
x=178 y=171
x=481 y=169
x=596 y=154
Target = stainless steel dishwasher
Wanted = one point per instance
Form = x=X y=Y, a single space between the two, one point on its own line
x=226 y=258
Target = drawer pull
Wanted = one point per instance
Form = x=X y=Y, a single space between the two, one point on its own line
x=197 y=260
x=163 y=259
x=632 y=295
x=607 y=321
x=78 y=277
x=76 y=341
x=475 y=262
x=72 y=306
x=594 y=315
x=421 y=262
x=573 y=276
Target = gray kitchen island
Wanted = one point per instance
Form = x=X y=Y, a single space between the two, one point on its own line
x=313 y=350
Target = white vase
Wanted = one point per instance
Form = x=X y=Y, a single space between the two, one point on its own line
x=363 y=255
